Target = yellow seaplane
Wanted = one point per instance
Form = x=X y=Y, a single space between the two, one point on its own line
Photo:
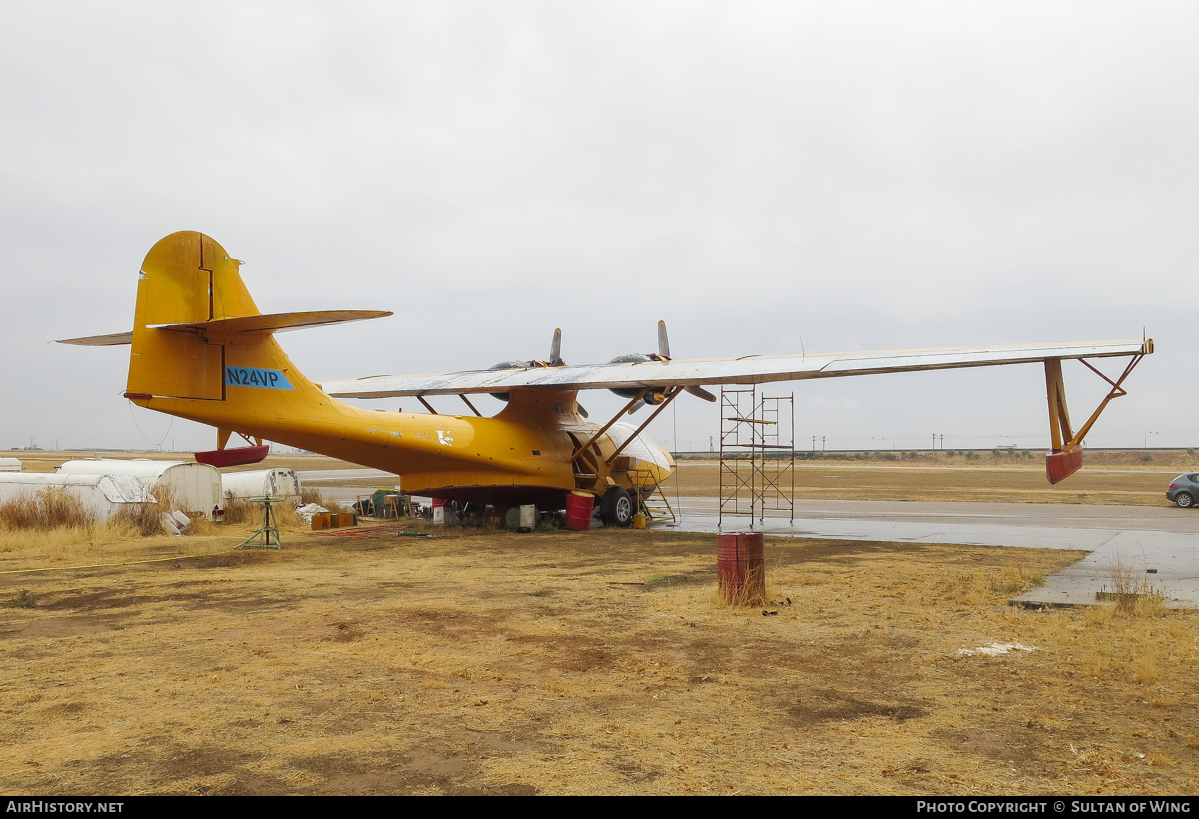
x=202 y=350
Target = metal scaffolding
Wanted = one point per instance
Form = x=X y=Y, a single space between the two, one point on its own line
x=757 y=454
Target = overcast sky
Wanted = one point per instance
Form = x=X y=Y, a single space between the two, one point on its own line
x=858 y=175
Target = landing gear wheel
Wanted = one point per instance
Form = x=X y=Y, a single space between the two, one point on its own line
x=616 y=508
x=1183 y=500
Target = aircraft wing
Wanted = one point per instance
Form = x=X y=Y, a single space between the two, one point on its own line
x=753 y=369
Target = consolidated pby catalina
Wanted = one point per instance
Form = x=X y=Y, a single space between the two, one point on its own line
x=202 y=350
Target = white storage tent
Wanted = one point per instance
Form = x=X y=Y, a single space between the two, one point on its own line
x=194 y=487
x=258 y=483
x=102 y=495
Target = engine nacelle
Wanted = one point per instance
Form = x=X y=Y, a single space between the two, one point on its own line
x=655 y=396
x=506 y=365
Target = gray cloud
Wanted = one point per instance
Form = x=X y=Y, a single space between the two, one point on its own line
x=861 y=175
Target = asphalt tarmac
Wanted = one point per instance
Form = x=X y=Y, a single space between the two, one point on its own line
x=1157 y=549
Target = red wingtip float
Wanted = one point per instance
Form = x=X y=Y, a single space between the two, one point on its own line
x=1066 y=457
x=234 y=457
x=1061 y=465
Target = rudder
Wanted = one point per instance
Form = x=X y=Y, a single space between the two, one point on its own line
x=186 y=277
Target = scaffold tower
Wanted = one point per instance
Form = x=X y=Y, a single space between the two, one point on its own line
x=757 y=454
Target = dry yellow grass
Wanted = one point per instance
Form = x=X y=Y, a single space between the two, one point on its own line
x=598 y=662
x=49 y=508
x=923 y=481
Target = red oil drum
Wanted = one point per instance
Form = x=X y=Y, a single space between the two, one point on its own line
x=578 y=511
x=741 y=568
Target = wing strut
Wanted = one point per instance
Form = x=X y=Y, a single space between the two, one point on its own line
x=674 y=393
x=1066 y=457
x=604 y=428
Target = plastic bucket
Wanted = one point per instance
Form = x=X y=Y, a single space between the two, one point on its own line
x=578 y=511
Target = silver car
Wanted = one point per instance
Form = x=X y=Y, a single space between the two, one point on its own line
x=1184 y=490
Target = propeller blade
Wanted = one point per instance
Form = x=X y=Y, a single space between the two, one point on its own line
x=556 y=347
x=700 y=392
x=582 y=410
x=663 y=340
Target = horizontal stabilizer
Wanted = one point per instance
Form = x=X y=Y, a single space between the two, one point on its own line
x=100 y=341
x=275 y=322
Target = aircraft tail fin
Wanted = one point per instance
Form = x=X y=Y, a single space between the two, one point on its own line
x=201 y=349
x=198 y=331
x=186 y=278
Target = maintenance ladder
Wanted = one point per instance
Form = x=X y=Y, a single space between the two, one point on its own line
x=653 y=502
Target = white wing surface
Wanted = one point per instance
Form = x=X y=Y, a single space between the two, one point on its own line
x=754 y=369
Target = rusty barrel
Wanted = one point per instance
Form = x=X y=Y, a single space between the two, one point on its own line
x=741 y=568
x=578 y=511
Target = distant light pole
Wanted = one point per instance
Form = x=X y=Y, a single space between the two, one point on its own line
x=822 y=446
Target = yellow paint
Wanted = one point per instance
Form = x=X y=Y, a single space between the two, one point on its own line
x=188 y=277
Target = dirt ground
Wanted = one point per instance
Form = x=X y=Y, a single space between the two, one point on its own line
x=562 y=663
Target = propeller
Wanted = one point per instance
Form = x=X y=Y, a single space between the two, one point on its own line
x=656 y=395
